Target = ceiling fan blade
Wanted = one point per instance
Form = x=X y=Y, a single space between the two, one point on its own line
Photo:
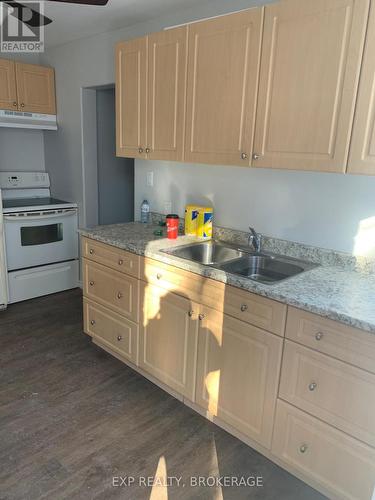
x=84 y=2
x=35 y=21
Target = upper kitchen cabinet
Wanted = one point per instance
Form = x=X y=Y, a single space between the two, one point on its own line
x=310 y=66
x=223 y=65
x=8 y=90
x=150 y=96
x=131 y=94
x=167 y=54
x=35 y=88
x=362 y=148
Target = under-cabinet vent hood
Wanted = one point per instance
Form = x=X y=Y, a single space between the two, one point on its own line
x=23 y=119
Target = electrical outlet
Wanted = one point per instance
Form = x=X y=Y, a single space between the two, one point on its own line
x=150 y=179
x=167 y=207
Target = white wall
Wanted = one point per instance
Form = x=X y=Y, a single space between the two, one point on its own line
x=313 y=208
x=21 y=149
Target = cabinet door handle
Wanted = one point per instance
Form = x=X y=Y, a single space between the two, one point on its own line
x=313 y=386
x=318 y=336
x=256 y=156
x=140 y=150
x=244 y=307
x=190 y=313
x=303 y=448
x=119 y=295
x=244 y=156
x=147 y=150
x=120 y=262
x=201 y=317
x=22 y=105
x=91 y=283
x=119 y=338
x=15 y=104
x=92 y=322
x=91 y=251
x=159 y=276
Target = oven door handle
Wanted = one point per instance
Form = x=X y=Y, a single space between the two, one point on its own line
x=18 y=219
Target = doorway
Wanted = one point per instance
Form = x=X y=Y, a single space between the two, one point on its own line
x=108 y=181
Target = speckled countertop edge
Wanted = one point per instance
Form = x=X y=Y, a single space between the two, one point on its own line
x=333 y=292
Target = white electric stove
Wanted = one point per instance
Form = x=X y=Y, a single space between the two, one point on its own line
x=40 y=234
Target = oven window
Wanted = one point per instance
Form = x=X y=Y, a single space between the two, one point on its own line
x=41 y=235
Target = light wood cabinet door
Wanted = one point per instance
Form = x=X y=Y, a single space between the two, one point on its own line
x=168 y=339
x=131 y=95
x=8 y=91
x=36 y=88
x=167 y=52
x=362 y=148
x=223 y=65
x=238 y=374
x=311 y=59
x=334 y=461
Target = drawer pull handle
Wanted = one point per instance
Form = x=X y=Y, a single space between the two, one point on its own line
x=190 y=313
x=119 y=295
x=119 y=338
x=92 y=322
x=313 y=386
x=201 y=317
x=244 y=307
x=303 y=448
x=318 y=336
x=159 y=276
x=91 y=283
x=120 y=262
x=91 y=251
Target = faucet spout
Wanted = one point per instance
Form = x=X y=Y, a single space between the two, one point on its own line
x=255 y=240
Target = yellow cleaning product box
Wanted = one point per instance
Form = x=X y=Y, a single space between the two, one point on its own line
x=191 y=220
x=205 y=221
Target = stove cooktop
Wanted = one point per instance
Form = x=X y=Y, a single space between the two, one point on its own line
x=33 y=202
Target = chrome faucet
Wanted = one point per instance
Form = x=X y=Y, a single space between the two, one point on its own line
x=255 y=240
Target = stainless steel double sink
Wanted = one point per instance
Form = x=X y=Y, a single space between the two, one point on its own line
x=265 y=268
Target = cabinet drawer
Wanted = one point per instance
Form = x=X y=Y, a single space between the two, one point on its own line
x=185 y=283
x=112 y=289
x=338 y=393
x=259 y=311
x=330 y=337
x=342 y=465
x=110 y=256
x=111 y=329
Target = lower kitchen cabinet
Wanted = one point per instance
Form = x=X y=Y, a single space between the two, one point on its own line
x=238 y=373
x=168 y=338
x=343 y=466
x=111 y=330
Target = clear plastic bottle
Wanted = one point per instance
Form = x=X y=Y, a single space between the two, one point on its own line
x=145 y=211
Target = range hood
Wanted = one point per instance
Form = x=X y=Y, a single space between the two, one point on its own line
x=23 y=119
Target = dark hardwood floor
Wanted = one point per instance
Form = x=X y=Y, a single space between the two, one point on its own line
x=73 y=419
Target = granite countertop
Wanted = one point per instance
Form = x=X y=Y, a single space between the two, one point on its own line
x=331 y=291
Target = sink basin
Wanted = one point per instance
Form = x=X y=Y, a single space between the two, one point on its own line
x=262 y=267
x=265 y=268
x=207 y=253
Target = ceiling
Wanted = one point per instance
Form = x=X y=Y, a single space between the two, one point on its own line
x=71 y=22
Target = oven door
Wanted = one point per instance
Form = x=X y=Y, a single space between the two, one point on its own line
x=35 y=239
